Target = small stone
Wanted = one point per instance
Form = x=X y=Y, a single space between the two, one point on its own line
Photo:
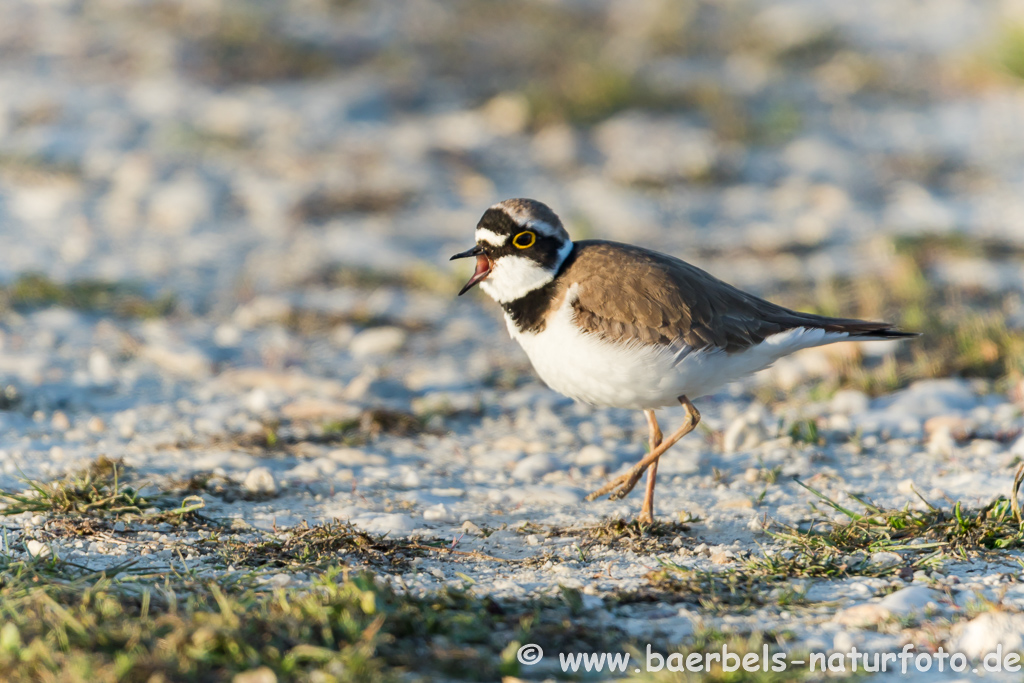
x=735 y=504
x=743 y=435
x=96 y=425
x=377 y=341
x=957 y=426
x=187 y=362
x=261 y=675
x=722 y=556
x=941 y=443
x=177 y=205
x=259 y=480
x=120 y=526
x=556 y=146
x=843 y=641
x=849 y=402
x=910 y=600
x=437 y=513
x=863 y=615
x=507 y=114
x=982 y=634
x=37 y=549
x=886 y=559
x=353 y=457
x=533 y=467
x=319 y=410
x=100 y=368
x=395 y=523
x=60 y=421
x=411 y=480
x=592 y=455
x=471 y=528
x=906 y=487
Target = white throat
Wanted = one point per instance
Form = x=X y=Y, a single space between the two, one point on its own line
x=513 y=277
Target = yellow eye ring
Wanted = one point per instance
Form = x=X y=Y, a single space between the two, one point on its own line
x=528 y=235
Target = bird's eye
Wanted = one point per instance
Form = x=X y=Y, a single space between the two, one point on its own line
x=524 y=240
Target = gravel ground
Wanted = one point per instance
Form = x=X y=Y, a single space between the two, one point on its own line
x=315 y=366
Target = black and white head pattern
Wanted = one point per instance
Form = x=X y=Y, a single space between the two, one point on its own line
x=526 y=244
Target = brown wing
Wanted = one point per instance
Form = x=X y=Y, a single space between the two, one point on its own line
x=626 y=293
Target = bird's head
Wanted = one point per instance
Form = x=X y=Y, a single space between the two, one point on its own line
x=520 y=245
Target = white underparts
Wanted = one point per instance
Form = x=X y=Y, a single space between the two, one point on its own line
x=513 y=276
x=492 y=238
x=587 y=368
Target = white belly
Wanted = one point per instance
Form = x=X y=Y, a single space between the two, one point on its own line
x=586 y=368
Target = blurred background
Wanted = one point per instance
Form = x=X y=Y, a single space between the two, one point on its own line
x=281 y=182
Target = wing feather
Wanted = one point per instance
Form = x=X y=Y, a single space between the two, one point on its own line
x=626 y=293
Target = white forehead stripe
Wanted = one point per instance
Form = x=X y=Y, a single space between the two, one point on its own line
x=492 y=238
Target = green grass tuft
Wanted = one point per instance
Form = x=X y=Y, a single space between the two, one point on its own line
x=35 y=290
x=98 y=491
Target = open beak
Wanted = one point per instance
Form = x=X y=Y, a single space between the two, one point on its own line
x=483 y=266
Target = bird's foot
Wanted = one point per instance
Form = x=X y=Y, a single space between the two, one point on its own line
x=620 y=486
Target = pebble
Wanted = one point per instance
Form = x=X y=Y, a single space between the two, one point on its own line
x=185 y=363
x=931 y=397
x=592 y=455
x=310 y=409
x=911 y=600
x=743 y=434
x=262 y=674
x=843 y=641
x=849 y=402
x=886 y=559
x=352 y=457
x=984 y=632
x=543 y=494
x=864 y=615
x=471 y=528
x=377 y=341
x=437 y=513
x=533 y=467
x=941 y=443
x=37 y=548
x=395 y=523
x=260 y=480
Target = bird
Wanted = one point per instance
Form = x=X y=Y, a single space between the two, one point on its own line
x=622 y=326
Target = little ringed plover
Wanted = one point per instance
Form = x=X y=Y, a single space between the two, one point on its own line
x=617 y=325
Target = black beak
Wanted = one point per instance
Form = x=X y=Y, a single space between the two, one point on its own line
x=475 y=251
x=483 y=266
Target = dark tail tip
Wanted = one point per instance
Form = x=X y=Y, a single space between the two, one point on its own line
x=883 y=333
